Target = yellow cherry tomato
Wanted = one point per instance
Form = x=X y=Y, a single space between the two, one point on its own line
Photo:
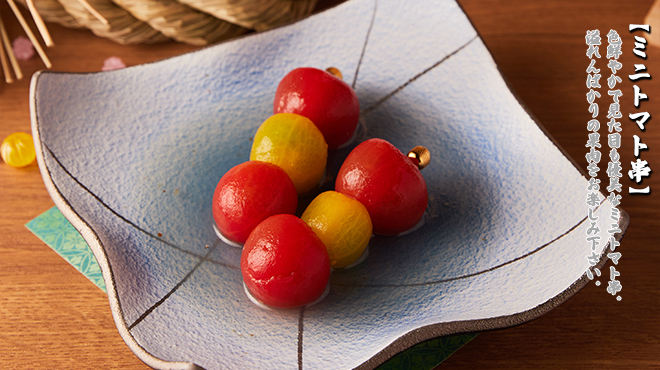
x=295 y=144
x=343 y=225
x=18 y=150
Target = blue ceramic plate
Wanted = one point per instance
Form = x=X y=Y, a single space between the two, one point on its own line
x=131 y=157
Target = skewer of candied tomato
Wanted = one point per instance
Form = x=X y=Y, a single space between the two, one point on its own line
x=281 y=263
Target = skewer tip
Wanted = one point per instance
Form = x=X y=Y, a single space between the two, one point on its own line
x=336 y=72
x=420 y=156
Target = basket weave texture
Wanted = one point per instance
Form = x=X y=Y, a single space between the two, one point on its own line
x=195 y=22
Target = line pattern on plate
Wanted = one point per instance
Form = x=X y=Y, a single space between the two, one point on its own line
x=176 y=287
x=301 y=321
x=474 y=273
x=393 y=92
x=302 y=310
x=129 y=222
x=364 y=47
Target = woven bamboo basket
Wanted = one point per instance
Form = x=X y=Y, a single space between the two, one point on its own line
x=196 y=22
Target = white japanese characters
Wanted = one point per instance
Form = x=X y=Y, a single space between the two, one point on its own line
x=614 y=165
x=593 y=157
x=639 y=168
x=593 y=201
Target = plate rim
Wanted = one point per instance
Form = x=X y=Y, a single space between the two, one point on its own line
x=402 y=343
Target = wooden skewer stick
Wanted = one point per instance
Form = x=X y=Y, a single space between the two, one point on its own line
x=10 y=51
x=29 y=33
x=40 y=23
x=95 y=13
x=5 y=66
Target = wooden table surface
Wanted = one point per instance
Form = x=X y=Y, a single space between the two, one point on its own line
x=53 y=317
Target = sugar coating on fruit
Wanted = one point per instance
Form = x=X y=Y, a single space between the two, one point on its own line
x=284 y=264
x=248 y=194
x=387 y=182
x=342 y=223
x=326 y=100
x=293 y=143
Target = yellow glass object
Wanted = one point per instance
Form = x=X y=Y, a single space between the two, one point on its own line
x=18 y=150
x=292 y=142
x=342 y=223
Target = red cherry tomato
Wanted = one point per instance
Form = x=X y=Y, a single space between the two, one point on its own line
x=325 y=99
x=284 y=264
x=387 y=182
x=248 y=194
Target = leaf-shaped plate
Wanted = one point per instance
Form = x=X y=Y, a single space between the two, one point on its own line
x=131 y=157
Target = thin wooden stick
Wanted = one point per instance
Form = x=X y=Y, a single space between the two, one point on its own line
x=10 y=51
x=3 y=60
x=41 y=26
x=95 y=13
x=29 y=33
